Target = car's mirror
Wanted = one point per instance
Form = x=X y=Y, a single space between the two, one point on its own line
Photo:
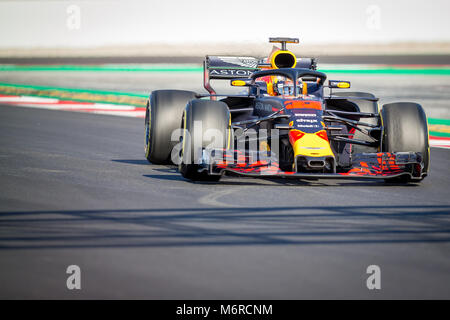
x=241 y=82
x=339 y=84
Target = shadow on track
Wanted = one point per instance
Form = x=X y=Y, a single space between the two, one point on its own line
x=170 y=172
x=132 y=161
x=246 y=226
x=174 y=175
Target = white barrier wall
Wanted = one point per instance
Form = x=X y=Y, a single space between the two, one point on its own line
x=26 y=24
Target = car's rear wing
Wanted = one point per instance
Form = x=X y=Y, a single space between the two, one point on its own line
x=229 y=67
x=222 y=67
x=226 y=67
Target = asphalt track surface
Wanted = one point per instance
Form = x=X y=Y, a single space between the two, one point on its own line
x=76 y=189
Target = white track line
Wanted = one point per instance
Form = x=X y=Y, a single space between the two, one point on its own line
x=440 y=143
x=27 y=99
x=56 y=104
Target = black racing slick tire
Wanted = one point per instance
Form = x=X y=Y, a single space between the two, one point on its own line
x=366 y=106
x=163 y=116
x=405 y=129
x=206 y=123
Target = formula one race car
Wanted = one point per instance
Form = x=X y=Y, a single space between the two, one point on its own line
x=284 y=125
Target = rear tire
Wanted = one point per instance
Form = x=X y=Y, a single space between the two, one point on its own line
x=163 y=116
x=211 y=115
x=405 y=129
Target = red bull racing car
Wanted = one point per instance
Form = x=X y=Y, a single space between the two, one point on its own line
x=284 y=124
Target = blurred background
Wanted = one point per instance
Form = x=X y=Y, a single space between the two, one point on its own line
x=101 y=27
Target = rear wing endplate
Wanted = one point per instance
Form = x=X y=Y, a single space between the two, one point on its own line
x=227 y=67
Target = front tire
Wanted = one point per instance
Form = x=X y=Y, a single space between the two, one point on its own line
x=200 y=117
x=405 y=129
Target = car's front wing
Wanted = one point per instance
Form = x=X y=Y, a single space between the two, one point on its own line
x=381 y=165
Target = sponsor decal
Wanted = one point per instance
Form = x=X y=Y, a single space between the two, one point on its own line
x=247 y=62
x=299 y=104
x=230 y=73
x=308 y=126
x=305 y=114
x=307 y=120
x=264 y=106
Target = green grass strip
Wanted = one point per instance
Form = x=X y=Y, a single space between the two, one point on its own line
x=96 y=68
x=36 y=87
x=72 y=94
x=440 y=134
x=445 y=71
x=445 y=122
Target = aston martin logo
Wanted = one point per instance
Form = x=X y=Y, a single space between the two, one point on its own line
x=247 y=62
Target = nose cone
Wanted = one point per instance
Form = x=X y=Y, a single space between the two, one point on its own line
x=310 y=144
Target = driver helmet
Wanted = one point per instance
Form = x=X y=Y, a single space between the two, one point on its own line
x=285 y=86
